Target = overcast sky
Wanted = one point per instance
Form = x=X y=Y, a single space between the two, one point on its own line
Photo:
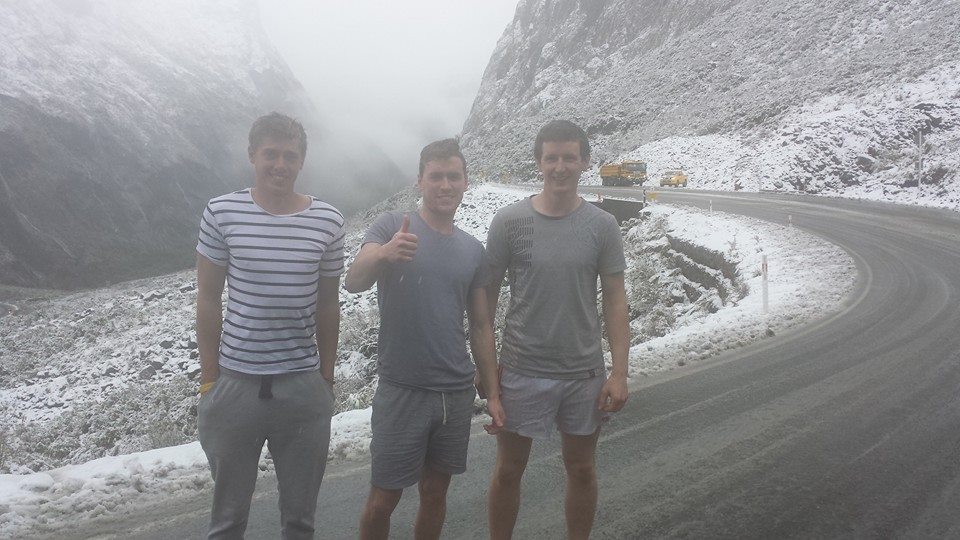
x=400 y=73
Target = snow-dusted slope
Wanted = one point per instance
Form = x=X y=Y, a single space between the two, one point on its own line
x=119 y=119
x=823 y=97
x=99 y=61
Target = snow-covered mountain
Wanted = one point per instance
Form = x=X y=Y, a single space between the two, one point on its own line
x=824 y=97
x=119 y=119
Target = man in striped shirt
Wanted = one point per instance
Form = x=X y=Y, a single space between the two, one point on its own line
x=267 y=366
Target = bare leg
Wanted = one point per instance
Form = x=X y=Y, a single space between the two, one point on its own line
x=375 y=521
x=580 y=503
x=504 y=498
x=433 y=504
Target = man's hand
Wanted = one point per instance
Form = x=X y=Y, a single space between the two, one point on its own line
x=614 y=393
x=496 y=414
x=613 y=396
x=374 y=257
x=403 y=246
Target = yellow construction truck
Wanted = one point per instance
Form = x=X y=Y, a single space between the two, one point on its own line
x=673 y=177
x=628 y=173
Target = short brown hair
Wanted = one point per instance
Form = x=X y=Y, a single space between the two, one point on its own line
x=277 y=126
x=443 y=149
x=561 y=131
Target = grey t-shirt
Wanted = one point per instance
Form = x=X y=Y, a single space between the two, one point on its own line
x=422 y=303
x=552 y=327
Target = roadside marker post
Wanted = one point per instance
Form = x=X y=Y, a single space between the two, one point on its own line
x=920 y=162
x=766 y=296
x=790 y=219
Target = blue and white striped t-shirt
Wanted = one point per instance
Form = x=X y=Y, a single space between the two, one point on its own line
x=274 y=265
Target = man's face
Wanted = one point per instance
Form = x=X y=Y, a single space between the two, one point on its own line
x=561 y=164
x=442 y=185
x=277 y=163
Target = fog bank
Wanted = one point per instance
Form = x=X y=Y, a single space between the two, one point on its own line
x=399 y=74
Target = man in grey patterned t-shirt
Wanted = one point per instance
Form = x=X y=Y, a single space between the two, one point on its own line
x=555 y=245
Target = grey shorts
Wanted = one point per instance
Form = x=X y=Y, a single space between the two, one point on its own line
x=536 y=407
x=413 y=428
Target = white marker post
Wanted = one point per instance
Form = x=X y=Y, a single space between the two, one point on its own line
x=790 y=219
x=920 y=162
x=766 y=296
x=711 y=206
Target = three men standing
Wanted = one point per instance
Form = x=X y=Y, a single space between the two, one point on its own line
x=428 y=274
x=267 y=367
x=555 y=245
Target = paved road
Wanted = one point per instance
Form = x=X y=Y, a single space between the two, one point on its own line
x=849 y=427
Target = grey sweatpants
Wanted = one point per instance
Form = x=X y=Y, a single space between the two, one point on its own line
x=233 y=423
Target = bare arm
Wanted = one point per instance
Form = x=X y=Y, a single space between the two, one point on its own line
x=493 y=293
x=328 y=324
x=615 y=316
x=374 y=257
x=365 y=269
x=210 y=280
x=485 y=353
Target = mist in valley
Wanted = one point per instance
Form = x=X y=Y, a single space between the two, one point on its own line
x=119 y=120
x=396 y=74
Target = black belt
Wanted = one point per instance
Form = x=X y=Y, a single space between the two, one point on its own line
x=266 y=381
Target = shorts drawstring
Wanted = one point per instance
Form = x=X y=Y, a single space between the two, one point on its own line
x=443 y=398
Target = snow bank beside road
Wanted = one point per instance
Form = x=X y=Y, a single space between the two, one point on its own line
x=808 y=278
x=47 y=501
x=44 y=501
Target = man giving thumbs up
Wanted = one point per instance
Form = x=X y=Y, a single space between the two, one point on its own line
x=428 y=274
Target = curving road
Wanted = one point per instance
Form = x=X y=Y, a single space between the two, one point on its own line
x=849 y=427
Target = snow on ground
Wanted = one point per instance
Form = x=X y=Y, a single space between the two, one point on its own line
x=150 y=336
x=853 y=145
x=795 y=294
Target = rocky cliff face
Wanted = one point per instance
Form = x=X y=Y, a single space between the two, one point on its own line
x=638 y=72
x=118 y=120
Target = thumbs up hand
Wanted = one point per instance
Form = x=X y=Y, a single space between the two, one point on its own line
x=403 y=246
